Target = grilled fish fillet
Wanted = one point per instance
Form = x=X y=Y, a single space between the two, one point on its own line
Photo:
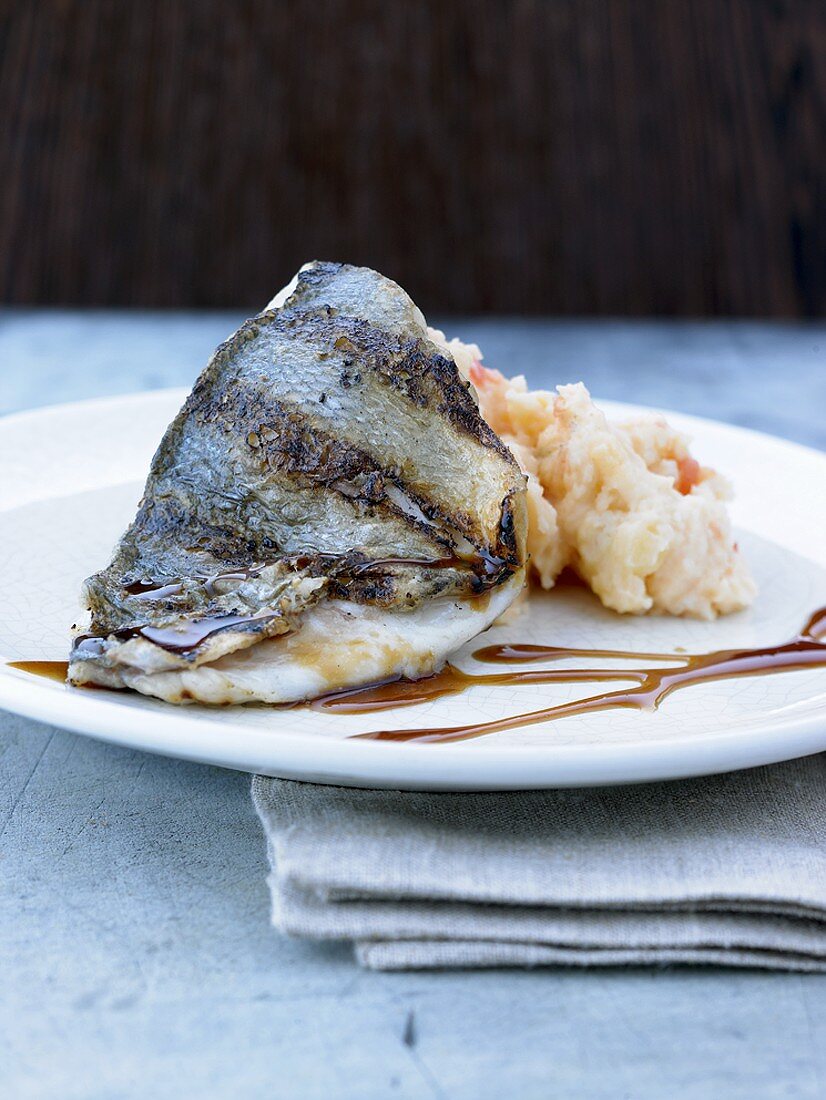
x=328 y=509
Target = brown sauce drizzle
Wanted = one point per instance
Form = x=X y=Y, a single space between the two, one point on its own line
x=524 y=654
x=58 y=671
x=51 y=670
x=182 y=642
x=806 y=650
x=450 y=681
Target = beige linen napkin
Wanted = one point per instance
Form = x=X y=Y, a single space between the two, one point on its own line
x=726 y=870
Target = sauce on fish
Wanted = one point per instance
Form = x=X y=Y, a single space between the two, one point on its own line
x=176 y=641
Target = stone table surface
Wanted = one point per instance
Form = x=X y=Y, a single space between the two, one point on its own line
x=136 y=955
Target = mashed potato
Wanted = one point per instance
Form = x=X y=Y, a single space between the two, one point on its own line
x=625 y=505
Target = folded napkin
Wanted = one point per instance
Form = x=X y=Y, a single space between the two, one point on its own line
x=724 y=870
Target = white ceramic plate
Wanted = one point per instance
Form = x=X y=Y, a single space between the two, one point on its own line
x=72 y=475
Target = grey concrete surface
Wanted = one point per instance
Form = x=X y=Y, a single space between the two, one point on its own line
x=136 y=958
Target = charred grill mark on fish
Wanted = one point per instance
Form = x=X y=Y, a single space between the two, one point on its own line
x=425 y=378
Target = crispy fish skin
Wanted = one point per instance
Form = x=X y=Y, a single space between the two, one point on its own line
x=353 y=292
x=327 y=451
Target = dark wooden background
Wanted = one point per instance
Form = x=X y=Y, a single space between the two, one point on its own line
x=554 y=156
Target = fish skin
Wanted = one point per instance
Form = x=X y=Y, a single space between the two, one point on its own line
x=323 y=436
x=355 y=292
